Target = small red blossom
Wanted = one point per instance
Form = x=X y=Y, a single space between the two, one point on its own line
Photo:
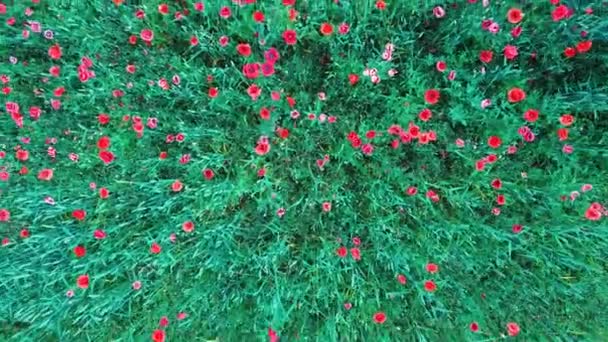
x=431 y=96
x=512 y=329
x=82 y=281
x=379 y=317
x=430 y=286
x=155 y=248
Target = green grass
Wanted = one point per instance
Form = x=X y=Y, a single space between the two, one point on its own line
x=244 y=268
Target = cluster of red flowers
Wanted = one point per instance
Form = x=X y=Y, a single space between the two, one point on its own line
x=261 y=66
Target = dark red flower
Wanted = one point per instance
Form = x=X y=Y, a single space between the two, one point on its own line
x=342 y=251
x=474 y=327
x=569 y=52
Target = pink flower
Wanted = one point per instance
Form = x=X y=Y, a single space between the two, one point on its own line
x=438 y=12
x=485 y=103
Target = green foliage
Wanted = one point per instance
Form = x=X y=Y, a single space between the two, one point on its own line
x=245 y=268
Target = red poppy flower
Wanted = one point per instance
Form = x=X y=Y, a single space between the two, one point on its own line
x=22 y=155
x=510 y=52
x=486 y=56
x=355 y=253
x=401 y=279
x=379 y=317
x=208 y=174
x=566 y=119
x=55 y=52
x=496 y=183
x=243 y=49
x=430 y=286
x=381 y=5
x=512 y=329
x=83 y=281
x=290 y=37
x=342 y=251
x=560 y=12
x=441 y=66
x=146 y=35
x=412 y=190
x=494 y=142
x=517 y=228
x=213 y=92
x=516 y=95
x=225 y=12
x=531 y=115
x=474 y=327
x=432 y=268
x=251 y=70
x=155 y=248
x=106 y=156
x=326 y=29
x=514 y=15
x=431 y=96
x=79 y=214
x=45 y=174
x=425 y=114
x=353 y=79
x=562 y=134
x=177 y=186
x=103 y=143
x=584 y=46
x=593 y=214
x=5 y=215
x=80 y=251
x=569 y=52
x=158 y=335
x=163 y=9
x=500 y=199
x=188 y=226
x=103 y=119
